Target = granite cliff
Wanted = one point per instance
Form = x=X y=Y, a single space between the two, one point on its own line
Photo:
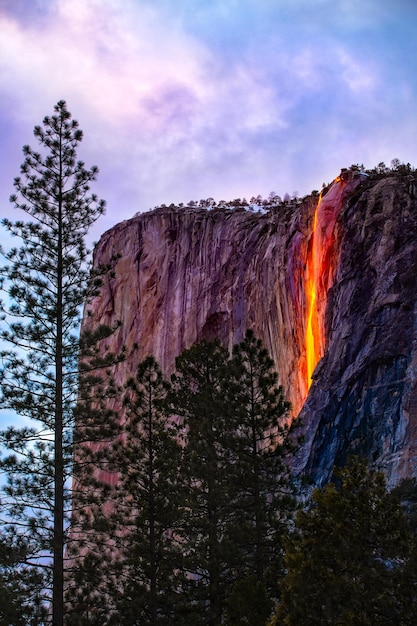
x=329 y=284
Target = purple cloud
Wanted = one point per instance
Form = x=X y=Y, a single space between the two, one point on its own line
x=188 y=100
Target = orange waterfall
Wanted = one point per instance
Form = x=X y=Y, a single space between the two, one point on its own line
x=312 y=335
x=320 y=265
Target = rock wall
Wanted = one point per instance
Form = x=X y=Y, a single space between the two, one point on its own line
x=187 y=274
x=190 y=274
x=364 y=396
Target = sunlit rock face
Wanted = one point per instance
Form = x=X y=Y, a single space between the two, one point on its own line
x=184 y=275
x=188 y=274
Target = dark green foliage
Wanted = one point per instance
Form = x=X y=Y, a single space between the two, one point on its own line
x=21 y=592
x=347 y=559
x=148 y=497
x=47 y=280
x=236 y=444
x=130 y=574
x=263 y=445
x=248 y=603
x=406 y=492
x=202 y=397
x=196 y=496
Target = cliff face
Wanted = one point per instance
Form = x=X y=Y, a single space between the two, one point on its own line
x=364 y=396
x=329 y=285
x=191 y=274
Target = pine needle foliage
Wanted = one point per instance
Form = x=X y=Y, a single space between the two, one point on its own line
x=238 y=490
x=350 y=558
x=201 y=397
x=46 y=280
x=21 y=589
x=148 y=461
x=263 y=444
x=195 y=495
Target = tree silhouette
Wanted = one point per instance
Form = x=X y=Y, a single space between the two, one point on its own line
x=346 y=559
x=47 y=280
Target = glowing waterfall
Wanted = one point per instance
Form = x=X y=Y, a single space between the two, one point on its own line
x=320 y=267
x=312 y=339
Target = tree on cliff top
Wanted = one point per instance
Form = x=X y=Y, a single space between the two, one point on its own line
x=348 y=561
x=46 y=281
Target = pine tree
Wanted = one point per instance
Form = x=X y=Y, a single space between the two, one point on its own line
x=202 y=398
x=46 y=281
x=237 y=445
x=147 y=500
x=21 y=592
x=248 y=603
x=347 y=559
x=89 y=547
x=264 y=446
x=130 y=569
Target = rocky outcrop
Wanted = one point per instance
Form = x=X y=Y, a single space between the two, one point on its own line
x=187 y=274
x=364 y=396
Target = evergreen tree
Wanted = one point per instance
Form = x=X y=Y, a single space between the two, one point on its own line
x=147 y=500
x=21 y=592
x=406 y=494
x=237 y=444
x=346 y=560
x=199 y=496
x=46 y=281
x=130 y=566
x=263 y=446
x=248 y=603
x=202 y=398
x=89 y=573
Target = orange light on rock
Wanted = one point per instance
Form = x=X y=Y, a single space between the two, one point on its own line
x=319 y=273
x=312 y=338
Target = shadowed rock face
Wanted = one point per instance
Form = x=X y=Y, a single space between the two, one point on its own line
x=364 y=396
x=189 y=274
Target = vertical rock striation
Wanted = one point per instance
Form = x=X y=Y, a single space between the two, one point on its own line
x=364 y=396
x=184 y=275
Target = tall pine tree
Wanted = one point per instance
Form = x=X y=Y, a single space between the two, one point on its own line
x=202 y=397
x=263 y=447
x=238 y=495
x=46 y=280
x=198 y=495
x=130 y=570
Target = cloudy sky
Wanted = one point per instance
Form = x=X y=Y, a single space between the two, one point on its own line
x=190 y=99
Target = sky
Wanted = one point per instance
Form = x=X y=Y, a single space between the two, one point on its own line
x=189 y=99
